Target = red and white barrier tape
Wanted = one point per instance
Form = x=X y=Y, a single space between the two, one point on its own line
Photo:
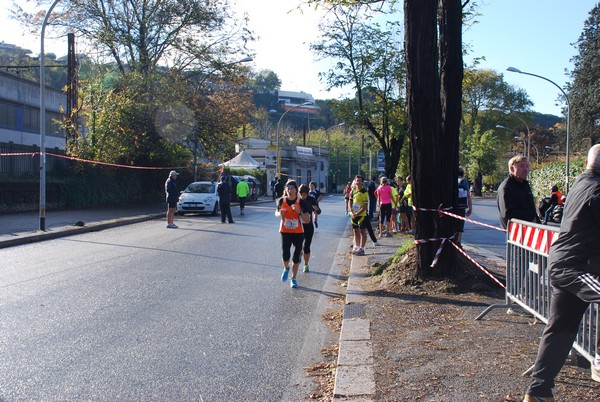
x=444 y=211
x=19 y=154
x=472 y=221
x=478 y=265
x=98 y=162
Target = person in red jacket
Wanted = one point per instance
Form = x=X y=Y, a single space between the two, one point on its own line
x=555 y=199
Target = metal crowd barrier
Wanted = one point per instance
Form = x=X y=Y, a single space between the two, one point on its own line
x=527 y=281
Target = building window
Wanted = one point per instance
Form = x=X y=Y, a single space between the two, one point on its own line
x=31 y=120
x=308 y=176
x=298 y=176
x=8 y=115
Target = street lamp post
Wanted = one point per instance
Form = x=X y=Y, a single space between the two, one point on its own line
x=516 y=137
x=567 y=170
x=320 y=138
x=277 y=152
x=43 y=120
x=507 y=112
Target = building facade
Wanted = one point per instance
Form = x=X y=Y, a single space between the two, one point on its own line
x=20 y=112
x=303 y=164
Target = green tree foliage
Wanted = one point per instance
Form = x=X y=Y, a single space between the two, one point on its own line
x=484 y=91
x=127 y=123
x=141 y=35
x=481 y=151
x=158 y=82
x=369 y=58
x=265 y=81
x=553 y=173
x=584 y=90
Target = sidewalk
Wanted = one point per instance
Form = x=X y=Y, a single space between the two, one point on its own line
x=23 y=227
x=406 y=343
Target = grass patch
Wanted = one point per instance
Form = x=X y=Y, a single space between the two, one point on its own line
x=408 y=245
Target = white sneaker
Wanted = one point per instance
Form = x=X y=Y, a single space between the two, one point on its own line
x=375 y=243
x=596 y=372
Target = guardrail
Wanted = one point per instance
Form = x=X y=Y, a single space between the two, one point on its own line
x=527 y=280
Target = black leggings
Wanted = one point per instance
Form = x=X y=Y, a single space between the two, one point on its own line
x=289 y=239
x=309 y=231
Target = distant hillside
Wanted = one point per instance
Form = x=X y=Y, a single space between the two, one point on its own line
x=545 y=120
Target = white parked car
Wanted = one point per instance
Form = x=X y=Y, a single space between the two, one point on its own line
x=199 y=197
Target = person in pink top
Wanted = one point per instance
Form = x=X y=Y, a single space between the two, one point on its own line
x=384 y=200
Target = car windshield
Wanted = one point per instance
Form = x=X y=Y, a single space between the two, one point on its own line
x=200 y=188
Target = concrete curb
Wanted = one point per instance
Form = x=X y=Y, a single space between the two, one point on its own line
x=355 y=374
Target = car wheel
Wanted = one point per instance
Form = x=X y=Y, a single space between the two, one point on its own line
x=215 y=211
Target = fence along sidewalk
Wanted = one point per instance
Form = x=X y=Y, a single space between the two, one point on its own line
x=527 y=280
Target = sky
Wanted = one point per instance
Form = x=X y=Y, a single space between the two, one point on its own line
x=535 y=36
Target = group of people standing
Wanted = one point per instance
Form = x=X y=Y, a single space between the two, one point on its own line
x=298 y=208
x=393 y=199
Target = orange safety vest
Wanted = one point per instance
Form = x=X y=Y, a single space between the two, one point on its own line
x=291 y=220
x=559 y=195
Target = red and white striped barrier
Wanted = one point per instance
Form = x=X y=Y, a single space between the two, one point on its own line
x=530 y=237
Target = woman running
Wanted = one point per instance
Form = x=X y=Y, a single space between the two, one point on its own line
x=291 y=210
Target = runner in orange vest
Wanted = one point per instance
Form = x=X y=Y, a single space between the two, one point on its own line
x=291 y=209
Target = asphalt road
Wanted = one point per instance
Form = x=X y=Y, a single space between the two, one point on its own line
x=485 y=210
x=141 y=312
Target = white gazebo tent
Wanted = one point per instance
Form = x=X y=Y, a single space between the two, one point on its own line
x=243 y=160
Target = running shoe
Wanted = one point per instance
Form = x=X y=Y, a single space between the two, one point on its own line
x=306 y=268
x=376 y=243
x=293 y=283
x=360 y=251
x=284 y=275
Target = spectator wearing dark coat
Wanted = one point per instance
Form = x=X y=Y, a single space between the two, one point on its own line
x=224 y=192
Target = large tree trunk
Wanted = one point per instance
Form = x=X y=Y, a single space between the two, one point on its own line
x=451 y=73
x=434 y=107
x=425 y=126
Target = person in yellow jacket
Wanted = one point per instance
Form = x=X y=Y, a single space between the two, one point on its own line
x=242 y=190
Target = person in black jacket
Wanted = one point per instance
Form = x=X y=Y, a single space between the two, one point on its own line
x=224 y=192
x=515 y=199
x=172 y=193
x=574 y=271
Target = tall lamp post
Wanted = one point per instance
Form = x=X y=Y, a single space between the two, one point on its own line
x=320 y=138
x=277 y=152
x=516 y=137
x=507 y=112
x=567 y=170
x=43 y=120
x=244 y=60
